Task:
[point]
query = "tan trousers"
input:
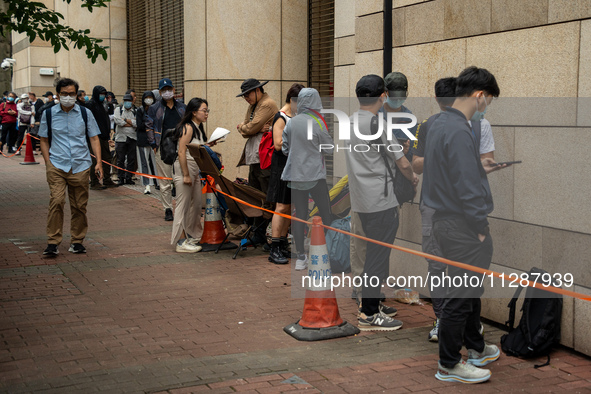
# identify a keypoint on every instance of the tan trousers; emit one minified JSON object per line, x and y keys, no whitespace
{"x":164,"y":170}
{"x":77,"y":185}
{"x":187,"y":213}
{"x":357,"y":247}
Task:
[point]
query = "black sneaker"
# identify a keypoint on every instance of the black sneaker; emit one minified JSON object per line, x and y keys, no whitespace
{"x":276,"y":257}
{"x":378,"y":322}
{"x":168,"y":215}
{"x":77,"y":249}
{"x":157,"y":187}
{"x":51,"y":251}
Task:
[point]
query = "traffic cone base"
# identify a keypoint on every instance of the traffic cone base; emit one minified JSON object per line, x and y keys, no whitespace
{"x":320,"y":317}
{"x":29,"y":157}
{"x":214,"y":233}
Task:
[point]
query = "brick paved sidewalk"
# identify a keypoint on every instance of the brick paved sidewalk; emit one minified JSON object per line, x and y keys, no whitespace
{"x":134,"y":316}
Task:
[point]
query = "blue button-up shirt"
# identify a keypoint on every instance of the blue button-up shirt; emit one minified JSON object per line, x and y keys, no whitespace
{"x":69,"y":149}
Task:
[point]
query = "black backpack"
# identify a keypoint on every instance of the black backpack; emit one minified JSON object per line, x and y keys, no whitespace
{"x":539,"y":328}
{"x":168,"y":144}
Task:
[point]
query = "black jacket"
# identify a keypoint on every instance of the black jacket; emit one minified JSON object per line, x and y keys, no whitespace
{"x":140,"y":118}
{"x":454,"y":181}
{"x":100,"y":114}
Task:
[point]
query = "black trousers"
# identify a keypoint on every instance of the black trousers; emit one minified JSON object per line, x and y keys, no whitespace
{"x":259,"y":179}
{"x":106,"y":156}
{"x":126,"y":150}
{"x":460,"y":315}
{"x":381,"y":226}
{"x":22,"y":129}
{"x":9,"y":135}
{"x":299,"y":198}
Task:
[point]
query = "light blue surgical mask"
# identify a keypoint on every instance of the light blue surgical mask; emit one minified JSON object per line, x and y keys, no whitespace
{"x":127,"y":104}
{"x":11,"y":99}
{"x":101,"y":97}
{"x":395,"y":102}
{"x":86,"y":98}
{"x":479,"y":115}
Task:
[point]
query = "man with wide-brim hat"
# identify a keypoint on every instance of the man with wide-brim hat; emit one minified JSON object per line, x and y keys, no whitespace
{"x":258,"y":119}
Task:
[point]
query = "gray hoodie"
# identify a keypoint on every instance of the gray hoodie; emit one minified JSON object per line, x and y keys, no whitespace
{"x":305,"y":162}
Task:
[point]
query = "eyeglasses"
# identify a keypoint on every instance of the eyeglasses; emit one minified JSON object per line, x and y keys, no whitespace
{"x":204,"y":110}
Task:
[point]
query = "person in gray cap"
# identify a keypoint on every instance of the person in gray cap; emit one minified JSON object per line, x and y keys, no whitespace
{"x":371,"y":182}
{"x":258,"y":119}
{"x":126,"y":139}
{"x":163,"y":115}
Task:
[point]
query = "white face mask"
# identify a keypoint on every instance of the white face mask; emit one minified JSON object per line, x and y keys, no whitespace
{"x":56,"y":101}
{"x":67,"y":101}
{"x":149,"y":101}
{"x":167,"y":95}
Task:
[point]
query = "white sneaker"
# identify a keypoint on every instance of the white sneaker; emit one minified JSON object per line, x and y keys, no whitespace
{"x":301,"y":262}
{"x":193,"y":241}
{"x":463,"y":372}
{"x":186,"y":247}
{"x":488,"y":355}
{"x":148,"y":190}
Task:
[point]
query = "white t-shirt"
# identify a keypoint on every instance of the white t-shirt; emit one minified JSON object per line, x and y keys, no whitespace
{"x":487,"y":141}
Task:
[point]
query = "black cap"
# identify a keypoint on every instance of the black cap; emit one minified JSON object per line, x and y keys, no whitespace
{"x":370,"y":86}
{"x":397,"y":84}
{"x":48,"y":93}
{"x":249,"y":85}
{"x":164,"y":82}
{"x":127,"y":97}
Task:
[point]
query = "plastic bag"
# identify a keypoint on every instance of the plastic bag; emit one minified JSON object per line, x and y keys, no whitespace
{"x":407,"y":296}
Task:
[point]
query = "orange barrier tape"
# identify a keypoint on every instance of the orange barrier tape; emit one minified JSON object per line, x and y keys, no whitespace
{"x":483,"y":271}
{"x":19,"y":148}
{"x":123,"y":169}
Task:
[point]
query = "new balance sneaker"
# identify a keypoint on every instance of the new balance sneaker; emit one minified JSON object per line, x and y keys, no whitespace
{"x":186,"y":247}
{"x":77,"y":249}
{"x":51,"y":251}
{"x":301,"y":262}
{"x":388,"y":310}
{"x":488,"y":355}
{"x":481,"y":329}
{"x":434,"y":333}
{"x":377,"y":322}
{"x":463,"y":372}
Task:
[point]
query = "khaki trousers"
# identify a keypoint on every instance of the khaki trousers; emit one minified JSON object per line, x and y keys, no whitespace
{"x":164,"y":170}
{"x":77,"y":185}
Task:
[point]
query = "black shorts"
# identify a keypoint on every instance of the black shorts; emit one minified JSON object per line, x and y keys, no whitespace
{"x":278,"y":190}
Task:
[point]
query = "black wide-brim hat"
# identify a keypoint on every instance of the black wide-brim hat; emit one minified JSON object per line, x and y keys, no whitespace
{"x":249,"y":85}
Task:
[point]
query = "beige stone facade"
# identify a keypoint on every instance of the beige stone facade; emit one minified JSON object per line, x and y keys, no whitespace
{"x":536,"y":49}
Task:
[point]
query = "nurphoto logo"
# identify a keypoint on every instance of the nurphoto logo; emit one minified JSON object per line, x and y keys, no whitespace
{"x":394,"y":120}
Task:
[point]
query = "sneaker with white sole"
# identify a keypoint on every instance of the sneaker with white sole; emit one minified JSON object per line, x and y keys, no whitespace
{"x":481,"y":329}
{"x":434,"y":333}
{"x":148,"y":190}
{"x":385,"y":309}
{"x":77,"y":248}
{"x":301,"y":262}
{"x":187,"y":247}
{"x":488,"y":355}
{"x":463,"y":372}
{"x":377,"y":322}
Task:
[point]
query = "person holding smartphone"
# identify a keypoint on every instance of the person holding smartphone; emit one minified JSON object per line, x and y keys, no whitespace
{"x":63,"y":131}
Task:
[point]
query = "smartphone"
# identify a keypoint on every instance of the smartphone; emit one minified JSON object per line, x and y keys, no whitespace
{"x":507,"y":163}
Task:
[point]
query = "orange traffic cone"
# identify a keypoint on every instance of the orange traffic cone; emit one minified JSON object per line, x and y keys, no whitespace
{"x":320,"y":318}
{"x":29,"y":157}
{"x":214,"y":233}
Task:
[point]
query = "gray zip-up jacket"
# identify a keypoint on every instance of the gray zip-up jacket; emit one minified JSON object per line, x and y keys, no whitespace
{"x":454,"y":181}
{"x":305,"y":162}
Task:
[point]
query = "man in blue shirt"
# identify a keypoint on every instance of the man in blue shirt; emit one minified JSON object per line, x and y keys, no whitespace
{"x":64,"y":145}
